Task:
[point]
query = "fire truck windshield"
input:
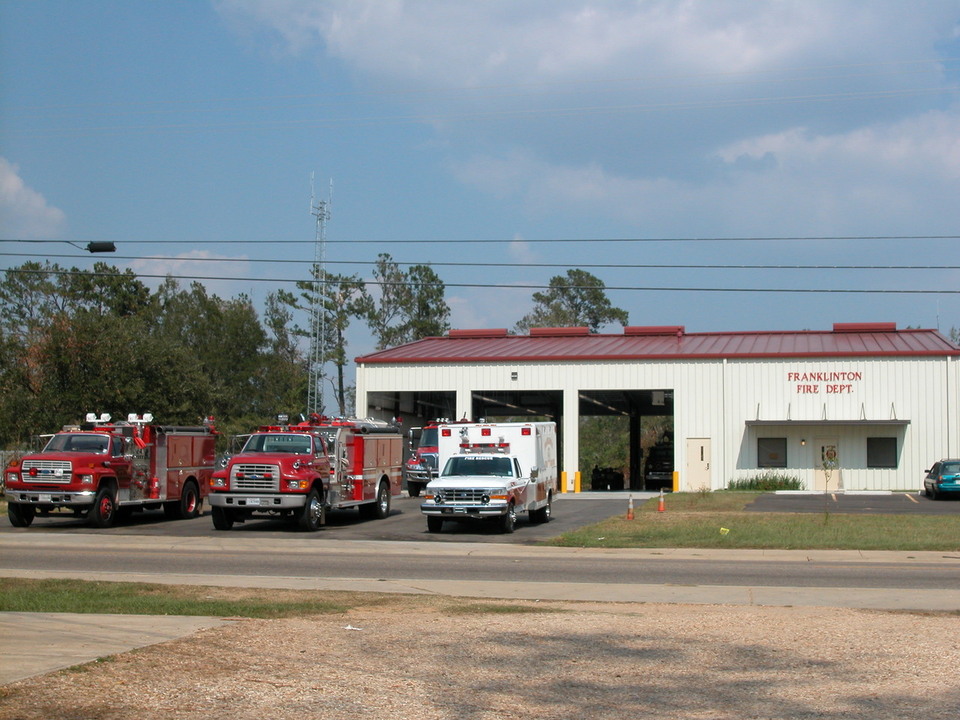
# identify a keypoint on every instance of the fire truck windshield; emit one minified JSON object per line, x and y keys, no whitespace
{"x":77,"y":442}
{"x":428,"y":437}
{"x":279,"y":443}
{"x":472,"y":465}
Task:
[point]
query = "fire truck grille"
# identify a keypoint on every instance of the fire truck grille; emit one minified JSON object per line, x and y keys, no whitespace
{"x":48,"y":471}
{"x":256,"y":478}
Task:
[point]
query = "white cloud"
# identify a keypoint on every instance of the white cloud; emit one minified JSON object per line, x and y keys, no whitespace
{"x":680,"y":129}
{"x":892,"y":175}
{"x":24,"y":213}
{"x":520,"y":251}
{"x":926,"y":145}
{"x":459,"y":43}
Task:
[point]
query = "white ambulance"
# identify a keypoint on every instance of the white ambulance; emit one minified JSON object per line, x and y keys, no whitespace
{"x":493,"y":471}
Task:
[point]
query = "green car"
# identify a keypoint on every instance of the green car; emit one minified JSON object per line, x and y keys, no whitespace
{"x":943,"y":477}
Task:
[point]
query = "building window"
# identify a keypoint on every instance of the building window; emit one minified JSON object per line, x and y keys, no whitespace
{"x":772,"y":452}
{"x":881,"y":452}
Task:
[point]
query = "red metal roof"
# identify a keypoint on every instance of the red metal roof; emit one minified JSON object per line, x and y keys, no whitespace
{"x":666,"y":343}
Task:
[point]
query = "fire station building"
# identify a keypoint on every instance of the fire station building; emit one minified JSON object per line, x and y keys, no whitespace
{"x":863,"y":406}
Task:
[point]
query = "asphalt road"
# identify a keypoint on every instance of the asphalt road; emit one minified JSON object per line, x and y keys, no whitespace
{"x":399,"y":547}
{"x":404,"y":523}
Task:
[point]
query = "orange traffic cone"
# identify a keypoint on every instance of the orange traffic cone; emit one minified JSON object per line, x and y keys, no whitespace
{"x":630,"y":507}
{"x":660,"y":507}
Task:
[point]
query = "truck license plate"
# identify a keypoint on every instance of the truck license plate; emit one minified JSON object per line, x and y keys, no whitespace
{"x":45,"y":498}
{"x":253,"y":501}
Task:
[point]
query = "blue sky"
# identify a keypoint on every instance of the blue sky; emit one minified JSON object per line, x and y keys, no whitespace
{"x":516,"y":121}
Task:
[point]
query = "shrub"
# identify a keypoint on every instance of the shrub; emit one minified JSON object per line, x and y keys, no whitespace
{"x":767,"y":482}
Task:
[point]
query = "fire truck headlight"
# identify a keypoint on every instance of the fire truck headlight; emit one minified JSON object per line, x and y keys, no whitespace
{"x":86,"y":479}
{"x":218,"y":482}
{"x":296,"y":484}
{"x":13,"y":477}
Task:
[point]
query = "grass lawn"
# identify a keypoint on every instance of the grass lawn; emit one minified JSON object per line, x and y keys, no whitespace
{"x":126,"y":598}
{"x":718,"y":520}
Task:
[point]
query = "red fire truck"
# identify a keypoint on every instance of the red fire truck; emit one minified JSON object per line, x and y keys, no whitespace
{"x":101,"y":469}
{"x":300,"y":471}
{"x":421,"y":467}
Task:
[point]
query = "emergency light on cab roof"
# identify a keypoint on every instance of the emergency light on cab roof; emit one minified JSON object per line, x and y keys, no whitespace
{"x":485,"y":432}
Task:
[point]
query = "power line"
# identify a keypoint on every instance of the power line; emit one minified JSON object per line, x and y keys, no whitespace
{"x":531,"y":241}
{"x":286,"y":280}
{"x":432,"y":263}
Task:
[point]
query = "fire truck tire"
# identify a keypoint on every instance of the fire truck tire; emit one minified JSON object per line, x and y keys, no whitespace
{"x":312,"y":515}
{"x":222,"y":518}
{"x":434,"y":524}
{"x":508,"y":523}
{"x":104,"y":510}
{"x":20,"y":515}
{"x":382,"y":507}
{"x":188,"y":506}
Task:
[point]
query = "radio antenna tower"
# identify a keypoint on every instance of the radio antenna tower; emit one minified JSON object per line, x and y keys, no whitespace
{"x":318,"y":316}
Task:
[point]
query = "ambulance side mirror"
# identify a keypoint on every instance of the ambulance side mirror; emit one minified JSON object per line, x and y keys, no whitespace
{"x":534,"y":473}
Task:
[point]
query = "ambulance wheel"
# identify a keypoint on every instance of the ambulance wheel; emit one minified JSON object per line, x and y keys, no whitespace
{"x":508,"y":523}
{"x":20,"y":515}
{"x":543,"y":515}
{"x":222,"y":518}
{"x":311,"y":517}
{"x":434,"y":524}
{"x":104,"y":510}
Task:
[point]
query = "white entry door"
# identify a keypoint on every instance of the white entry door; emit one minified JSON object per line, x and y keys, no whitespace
{"x":826,"y":465}
{"x":698,"y":464}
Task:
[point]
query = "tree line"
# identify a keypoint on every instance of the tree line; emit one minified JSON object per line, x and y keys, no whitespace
{"x":75,"y":341}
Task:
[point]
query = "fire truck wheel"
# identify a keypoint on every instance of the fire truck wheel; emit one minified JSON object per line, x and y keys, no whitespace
{"x":20,"y":515}
{"x":508,"y":523}
{"x":382,"y":508}
{"x":222,"y":518}
{"x":413,"y":489}
{"x":189,"y":505}
{"x":311,"y":517}
{"x":104,"y":509}
{"x":434,"y":524}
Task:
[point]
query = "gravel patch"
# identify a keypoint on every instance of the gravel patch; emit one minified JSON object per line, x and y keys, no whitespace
{"x":439,"y":659}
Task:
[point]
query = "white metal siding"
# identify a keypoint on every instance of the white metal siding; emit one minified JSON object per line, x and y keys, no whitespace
{"x":715,"y":399}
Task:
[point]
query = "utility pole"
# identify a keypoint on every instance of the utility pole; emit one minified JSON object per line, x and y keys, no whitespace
{"x":318,"y":316}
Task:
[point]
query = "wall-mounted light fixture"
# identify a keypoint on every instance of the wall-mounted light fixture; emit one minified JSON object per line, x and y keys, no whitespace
{"x":802,"y":441}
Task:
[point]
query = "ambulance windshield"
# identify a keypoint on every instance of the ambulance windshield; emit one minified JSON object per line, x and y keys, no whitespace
{"x":463,"y":465}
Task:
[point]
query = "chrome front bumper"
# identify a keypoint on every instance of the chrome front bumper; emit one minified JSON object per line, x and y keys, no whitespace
{"x":264,"y":502}
{"x":454,"y":511}
{"x":51,"y":497}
